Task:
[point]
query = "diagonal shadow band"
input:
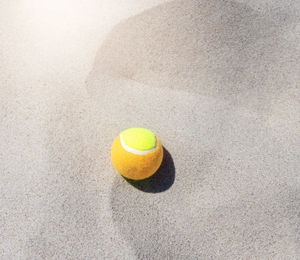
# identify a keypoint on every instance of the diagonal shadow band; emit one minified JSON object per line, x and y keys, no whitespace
{"x":160,"y":181}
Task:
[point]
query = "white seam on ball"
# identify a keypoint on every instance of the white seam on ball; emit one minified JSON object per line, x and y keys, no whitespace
{"x":131,"y":150}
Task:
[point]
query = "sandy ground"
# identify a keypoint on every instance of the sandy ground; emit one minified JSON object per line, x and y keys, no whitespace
{"x":217,"y":81}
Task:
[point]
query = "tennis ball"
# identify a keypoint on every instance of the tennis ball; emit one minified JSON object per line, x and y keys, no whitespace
{"x":136,"y":153}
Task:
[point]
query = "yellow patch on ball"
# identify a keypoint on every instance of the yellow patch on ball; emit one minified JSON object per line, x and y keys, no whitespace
{"x":136,"y":153}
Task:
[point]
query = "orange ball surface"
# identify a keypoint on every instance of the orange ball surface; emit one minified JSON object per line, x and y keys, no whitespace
{"x":136,"y":166}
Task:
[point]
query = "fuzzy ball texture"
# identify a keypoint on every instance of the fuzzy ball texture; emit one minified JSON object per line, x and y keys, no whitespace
{"x":136,"y":153}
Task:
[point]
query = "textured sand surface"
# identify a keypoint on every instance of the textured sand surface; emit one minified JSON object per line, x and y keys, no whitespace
{"x":217,"y":81}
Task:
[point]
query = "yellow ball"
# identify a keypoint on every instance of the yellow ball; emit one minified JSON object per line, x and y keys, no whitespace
{"x":136,"y":153}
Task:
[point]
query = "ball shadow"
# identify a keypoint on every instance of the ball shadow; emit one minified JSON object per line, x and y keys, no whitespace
{"x":161,"y":181}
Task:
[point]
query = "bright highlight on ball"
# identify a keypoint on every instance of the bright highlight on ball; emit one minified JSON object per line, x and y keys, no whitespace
{"x":136,"y":153}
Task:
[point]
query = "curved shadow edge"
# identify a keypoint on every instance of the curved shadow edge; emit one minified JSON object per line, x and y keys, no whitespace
{"x":160,"y":181}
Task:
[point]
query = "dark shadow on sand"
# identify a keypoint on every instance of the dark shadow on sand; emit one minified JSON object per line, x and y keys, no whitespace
{"x":220,"y":49}
{"x":161,"y":181}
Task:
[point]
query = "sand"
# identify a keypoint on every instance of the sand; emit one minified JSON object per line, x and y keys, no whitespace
{"x":217,"y":81}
